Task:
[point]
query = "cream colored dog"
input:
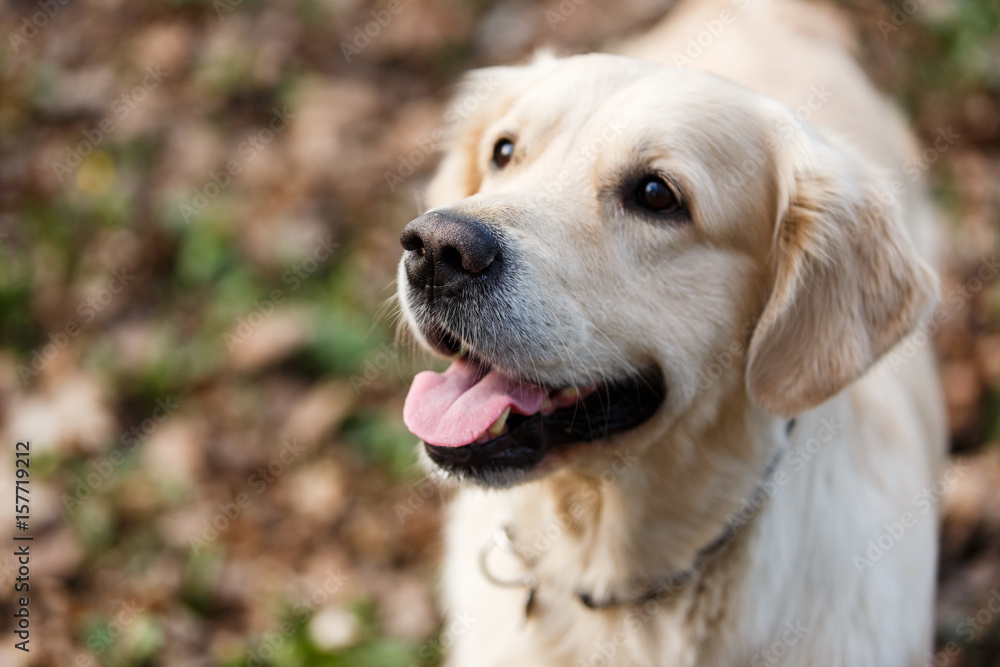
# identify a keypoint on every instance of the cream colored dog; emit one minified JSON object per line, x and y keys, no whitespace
{"x":681,"y":423}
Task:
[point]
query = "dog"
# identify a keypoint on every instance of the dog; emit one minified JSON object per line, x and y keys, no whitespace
{"x":692,"y":418}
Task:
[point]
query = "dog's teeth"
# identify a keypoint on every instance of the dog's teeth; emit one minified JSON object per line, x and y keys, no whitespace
{"x":568,"y":394}
{"x":498,"y":426}
{"x":547,"y":406}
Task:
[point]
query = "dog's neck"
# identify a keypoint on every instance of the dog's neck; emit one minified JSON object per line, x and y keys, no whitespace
{"x":646,"y":521}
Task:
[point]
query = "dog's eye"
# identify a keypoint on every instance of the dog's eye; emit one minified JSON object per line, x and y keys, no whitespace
{"x":502,"y":152}
{"x":655,"y":195}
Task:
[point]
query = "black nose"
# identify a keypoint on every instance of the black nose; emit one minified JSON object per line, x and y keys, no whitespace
{"x":445,"y":250}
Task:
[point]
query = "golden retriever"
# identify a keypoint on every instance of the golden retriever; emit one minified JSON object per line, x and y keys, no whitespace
{"x":674,"y":282}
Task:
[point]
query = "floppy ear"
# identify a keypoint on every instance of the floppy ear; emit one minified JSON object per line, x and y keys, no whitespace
{"x":848,"y":284}
{"x":483,"y":96}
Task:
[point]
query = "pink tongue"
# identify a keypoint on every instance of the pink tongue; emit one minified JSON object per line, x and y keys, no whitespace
{"x":452,"y":409}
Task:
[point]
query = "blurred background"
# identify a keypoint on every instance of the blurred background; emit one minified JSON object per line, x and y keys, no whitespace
{"x":200,"y":203}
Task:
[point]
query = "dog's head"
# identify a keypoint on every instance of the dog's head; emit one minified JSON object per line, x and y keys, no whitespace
{"x":615,"y":244}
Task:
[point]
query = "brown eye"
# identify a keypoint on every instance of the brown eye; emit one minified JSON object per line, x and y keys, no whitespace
{"x":655,"y":195}
{"x":502,"y":152}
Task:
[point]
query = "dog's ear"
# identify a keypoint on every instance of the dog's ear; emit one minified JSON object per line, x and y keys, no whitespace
{"x":483,"y":96}
{"x":848,"y":284}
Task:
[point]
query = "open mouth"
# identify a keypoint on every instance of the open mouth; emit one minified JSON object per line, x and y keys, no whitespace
{"x":480,"y":424}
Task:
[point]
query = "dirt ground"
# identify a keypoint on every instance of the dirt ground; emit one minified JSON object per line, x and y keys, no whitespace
{"x":200,"y":203}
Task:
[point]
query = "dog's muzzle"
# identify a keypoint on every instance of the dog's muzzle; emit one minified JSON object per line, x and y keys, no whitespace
{"x":483,"y":419}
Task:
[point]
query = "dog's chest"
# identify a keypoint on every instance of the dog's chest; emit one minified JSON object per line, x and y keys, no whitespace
{"x":559,"y":630}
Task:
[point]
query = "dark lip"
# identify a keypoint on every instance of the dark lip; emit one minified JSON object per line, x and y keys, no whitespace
{"x":443,"y":340}
{"x":614,"y":407}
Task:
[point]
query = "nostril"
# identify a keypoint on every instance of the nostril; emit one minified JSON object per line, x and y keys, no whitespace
{"x":478,"y":263}
{"x":471,"y":249}
{"x":470,"y":260}
{"x":452,"y":257}
{"x":411,"y":240}
{"x":477,"y":256}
